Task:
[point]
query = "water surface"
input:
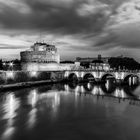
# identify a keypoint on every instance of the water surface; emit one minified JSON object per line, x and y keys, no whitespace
{"x":70,"y":112}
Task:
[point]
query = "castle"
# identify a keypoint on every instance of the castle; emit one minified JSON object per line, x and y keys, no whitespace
{"x":42,"y":57}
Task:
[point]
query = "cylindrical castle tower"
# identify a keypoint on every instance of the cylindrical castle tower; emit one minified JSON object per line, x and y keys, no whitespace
{"x":40,"y":57}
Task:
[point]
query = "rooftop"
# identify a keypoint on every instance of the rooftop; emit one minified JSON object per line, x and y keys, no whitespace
{"x":42,"y":44}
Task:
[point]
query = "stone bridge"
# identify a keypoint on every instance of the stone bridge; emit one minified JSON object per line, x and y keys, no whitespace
{"x":119,"y":76}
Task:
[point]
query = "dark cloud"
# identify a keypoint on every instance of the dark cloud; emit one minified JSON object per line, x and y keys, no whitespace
{"x":123,"y":28}
{"x":91,"y":23}
{"x":45,"y":16}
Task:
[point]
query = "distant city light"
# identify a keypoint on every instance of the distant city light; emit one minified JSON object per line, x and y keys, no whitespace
{"x":33,"y":97}
{"x":82,"y":89}
{"x":66,"y":88}
{"x":4,"y":63}
{"x":120,"y":93}
{"x":10,"y":74}
{"x":89,"y":85}
{"x":33,"y":73}
{"x":11,"y":64}
{"x":77,"y":90}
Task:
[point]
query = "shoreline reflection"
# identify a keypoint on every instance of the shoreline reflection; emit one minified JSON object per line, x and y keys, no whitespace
{"x":26,"y":108}
{"x":11,"y":105}
{"x":107,"y":89}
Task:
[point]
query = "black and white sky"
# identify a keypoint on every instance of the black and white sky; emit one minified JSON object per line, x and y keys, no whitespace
{"x":83,"y":28}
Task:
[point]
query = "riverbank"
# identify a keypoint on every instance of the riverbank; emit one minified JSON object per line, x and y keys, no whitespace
{"x":10,"y":80}
{"x":26,"y":84}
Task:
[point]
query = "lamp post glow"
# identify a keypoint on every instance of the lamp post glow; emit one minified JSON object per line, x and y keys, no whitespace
{"x":33,"y":74}
{"x":10,"y":74}
{"x":4,"y":64}
{"x":11,"y":65}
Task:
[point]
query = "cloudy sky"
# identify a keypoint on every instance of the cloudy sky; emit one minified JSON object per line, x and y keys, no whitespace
{"x":81,"y":28}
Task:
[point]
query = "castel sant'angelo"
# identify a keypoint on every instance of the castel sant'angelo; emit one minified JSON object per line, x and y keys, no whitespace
{"x":42,"y":57}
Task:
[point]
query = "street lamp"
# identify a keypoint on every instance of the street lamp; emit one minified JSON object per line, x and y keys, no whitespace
{"x":4,"y":64}
{"x":33,"y":74}
{"x":11,"y":65}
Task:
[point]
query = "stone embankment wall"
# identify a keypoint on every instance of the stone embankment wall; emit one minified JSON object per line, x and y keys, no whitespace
{"x":13,"y":77}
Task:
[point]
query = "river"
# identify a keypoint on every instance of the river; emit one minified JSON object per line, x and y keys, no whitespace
{"x":70,"y":112}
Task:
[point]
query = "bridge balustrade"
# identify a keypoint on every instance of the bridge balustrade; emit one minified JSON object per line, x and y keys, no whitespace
{"x":110,"y":70}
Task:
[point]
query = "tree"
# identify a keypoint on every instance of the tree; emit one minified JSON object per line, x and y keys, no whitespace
{"x":1,"y":67}
{"x":123,"y":62}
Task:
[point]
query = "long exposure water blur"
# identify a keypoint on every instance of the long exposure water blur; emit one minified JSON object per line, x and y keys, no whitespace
{"x":71,"y":112}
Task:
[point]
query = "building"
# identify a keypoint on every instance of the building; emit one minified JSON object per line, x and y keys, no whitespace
{"x":43,"y":57}
{"x":40,"y":57}
{"x":95,"y":63}
{"x":91,"y":59}
{"x":41,"y":52}
{"x":99,"y":65}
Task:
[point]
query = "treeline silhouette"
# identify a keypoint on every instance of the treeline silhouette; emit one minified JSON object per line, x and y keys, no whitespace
{"x":1,"y":66}
{"x":4,"y":65}
{"x":67,"y":62}
{"x":114,"y":62}
{"x":123,"y":63}
{"x":118,"y":63}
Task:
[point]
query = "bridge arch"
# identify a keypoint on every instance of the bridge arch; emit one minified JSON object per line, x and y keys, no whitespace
{"x":88,"y":77}
{"x":131,"y":79}
{"x":108,"y":88}
{"x":72,"y":77}
{"x":129,"y":90}
{"x":88,"y":86}
{"x":72,"y":85}
{"x":107,"y":76}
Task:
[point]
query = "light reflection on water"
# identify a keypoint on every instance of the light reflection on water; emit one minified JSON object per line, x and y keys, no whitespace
{"x":10,"y":105}
{"x":37,"y":113}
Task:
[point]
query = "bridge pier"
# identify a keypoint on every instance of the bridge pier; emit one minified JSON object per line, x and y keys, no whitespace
{"x":98,"y":80}
{"x":99,"y":77}
{"x":119,"y":81}
{"x":80,"y":79}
